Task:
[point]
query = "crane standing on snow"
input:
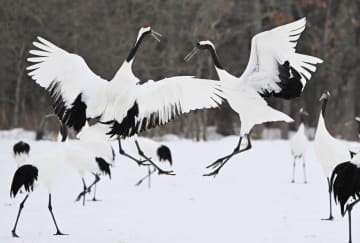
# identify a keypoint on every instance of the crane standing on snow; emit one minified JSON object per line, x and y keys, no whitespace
{"x":298,"y":144}
{"x":328,"y":149}
{"x":43,"y":169}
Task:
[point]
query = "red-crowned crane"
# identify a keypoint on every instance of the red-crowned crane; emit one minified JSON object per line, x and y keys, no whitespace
{"x":328,"y":149}
{"x":40,"y":168}
{"x":91,"y":153}
{"x":274,"y":69}
{"x":127,"y":106}
{"x":298,"y":144}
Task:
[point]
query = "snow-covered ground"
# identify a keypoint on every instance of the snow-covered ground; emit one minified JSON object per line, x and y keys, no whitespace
{"x":251,"y":200}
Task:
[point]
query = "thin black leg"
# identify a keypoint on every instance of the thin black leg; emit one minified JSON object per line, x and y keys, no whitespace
{"x":87,"y":189}
{"x":58,"y":232}
{"x":330,"y":201}
{"x":218,"y":164}
{"x":349,"y":214}
{"x":149,"y":177}
{"x":349,"y":207}
{"x":145,"y":177}
{"x":13,"y":231}
{"x":94,"y":199}
{"x":122,"y":152}
{"x":293,"y":174}
{"x":160,"y":171}
{"x":304,"y":169}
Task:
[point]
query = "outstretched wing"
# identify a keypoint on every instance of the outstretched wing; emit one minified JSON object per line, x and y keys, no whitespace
{"x":156,"y":103}
{"x":77,"y":92}
{"x":274,"y":67}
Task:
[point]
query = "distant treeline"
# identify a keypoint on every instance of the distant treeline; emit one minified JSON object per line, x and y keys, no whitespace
{"x":103,"y":31}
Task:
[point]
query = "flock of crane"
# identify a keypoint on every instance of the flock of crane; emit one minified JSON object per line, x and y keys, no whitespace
{"x":100,"y":110}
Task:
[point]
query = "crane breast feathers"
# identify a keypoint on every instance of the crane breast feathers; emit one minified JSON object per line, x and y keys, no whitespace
{"x":67,"y":77}
{"x":273,"y":56}
{"x":156,"y":103}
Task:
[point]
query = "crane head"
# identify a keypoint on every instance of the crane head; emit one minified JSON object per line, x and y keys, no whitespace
{"x":146,"y":30}
{"x":325,"y":95}
{"x":200,"y":45}
{"x":303,"y":112}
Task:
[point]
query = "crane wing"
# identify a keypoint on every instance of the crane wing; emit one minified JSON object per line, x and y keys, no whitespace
{"x":274,"y":67}
{"x":77,"y":92}
{"x":156,"y":103}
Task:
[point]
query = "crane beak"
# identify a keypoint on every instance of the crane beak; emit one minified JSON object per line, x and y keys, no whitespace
{"x":304,"y":113}
{"x":192,"y":53}
{"x":156,"y":35}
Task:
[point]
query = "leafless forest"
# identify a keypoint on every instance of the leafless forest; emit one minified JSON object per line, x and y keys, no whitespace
{"x":103,"y":31}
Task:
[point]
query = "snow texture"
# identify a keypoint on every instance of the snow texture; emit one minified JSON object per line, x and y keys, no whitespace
{"x":251,"y":200}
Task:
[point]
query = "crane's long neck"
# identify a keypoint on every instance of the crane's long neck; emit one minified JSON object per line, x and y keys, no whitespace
{"x":215,"y":58}
{"x":321,"y":130}
{"x":63,"y":133}
{"x":134,"y":49}
{"x":323,"y":106}
{"x":301,"y":118}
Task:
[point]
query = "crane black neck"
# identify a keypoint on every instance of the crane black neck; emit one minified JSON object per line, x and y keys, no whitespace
{"x":301,"y":117}
{"x":135,"y":48}
{"x":215,"y":57}
{"x":323,"y":106}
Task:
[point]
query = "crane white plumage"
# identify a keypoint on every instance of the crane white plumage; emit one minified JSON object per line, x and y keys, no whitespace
{"x":91,"y":153}
{"x":329,"y":150}
{"x":298,"y":144}
{"x":274,"y":69}
{"x":44,"y":169}
{"x":123,"y":103}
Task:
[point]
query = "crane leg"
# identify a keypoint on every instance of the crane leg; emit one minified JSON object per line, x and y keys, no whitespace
{"x":330,"y":201}
{"x":160,"y":171}
{"x":149,"y":177}
{"x":87,"y":189}
{"x":58,"y":232}
{"x":94,"y":199}
{"x":122,"y":152}
{"x":218,"y":164}
{"x":293,"y":172}
{"x":304,"y":169}
{"x":349,"y":207}
{"x":13,"y":231}
{"x":145,"y":177}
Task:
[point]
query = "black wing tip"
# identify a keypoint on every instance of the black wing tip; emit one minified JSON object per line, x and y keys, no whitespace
{"x":103,"y":166}
{"x":345,"y":181}
{"x":21,"y":147}
{"x":127,"y":127}
{"x":290,"y":83}
{"x":164,"y":154}
{"x":73,"y":116}
{"x":26,"y":176}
